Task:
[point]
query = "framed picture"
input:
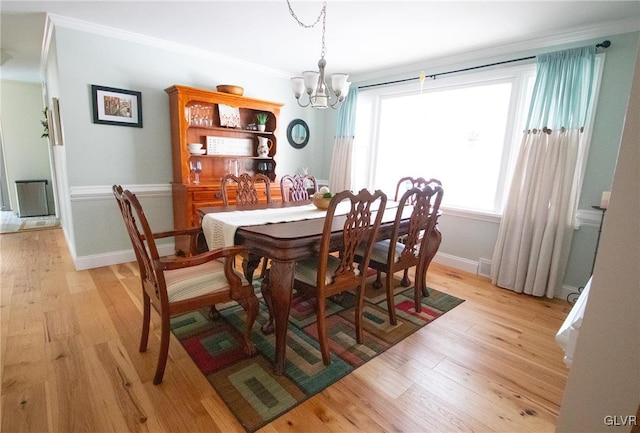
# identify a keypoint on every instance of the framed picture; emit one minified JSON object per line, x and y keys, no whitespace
{"x":50,"y":129}
{"x":57,"y":124}
{"x":116,"y":106}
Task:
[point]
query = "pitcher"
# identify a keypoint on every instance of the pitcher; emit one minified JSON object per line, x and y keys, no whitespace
{"x":264,"y":146}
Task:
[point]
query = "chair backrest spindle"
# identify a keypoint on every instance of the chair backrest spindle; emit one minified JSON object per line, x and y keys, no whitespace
{"x":294,"y":187}
{"x":245,"y":187}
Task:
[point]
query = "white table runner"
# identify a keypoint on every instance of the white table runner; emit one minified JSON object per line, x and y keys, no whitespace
{"x":219,"y":228}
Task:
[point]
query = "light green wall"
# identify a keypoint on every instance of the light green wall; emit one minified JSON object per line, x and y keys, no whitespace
{"x":97,"y":156}
{"x":26,"y":153}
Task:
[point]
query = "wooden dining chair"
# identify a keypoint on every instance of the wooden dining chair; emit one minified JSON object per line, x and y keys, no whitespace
{"x":329,"y":274}
{"x":245,"y":188}
{"x":246,"y":193}
{"x":176,"y":285}
{"x":415,"y":249}
{"x":404,"y":185}
{"x":297,"y":187}
{"x":408,"y":182}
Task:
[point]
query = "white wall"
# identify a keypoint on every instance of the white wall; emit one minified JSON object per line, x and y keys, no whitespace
{"x":604,"y":380}
{"x":27,"y":155}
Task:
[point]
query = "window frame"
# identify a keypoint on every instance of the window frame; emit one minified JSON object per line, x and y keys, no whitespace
{"x":516,"y":75}
{"x":526,"y":75}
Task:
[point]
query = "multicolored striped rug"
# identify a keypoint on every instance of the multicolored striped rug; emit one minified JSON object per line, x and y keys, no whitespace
{"x":248,"y":386}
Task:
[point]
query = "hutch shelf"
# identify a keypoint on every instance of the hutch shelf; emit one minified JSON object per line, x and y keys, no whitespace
{"x":195,"y":118}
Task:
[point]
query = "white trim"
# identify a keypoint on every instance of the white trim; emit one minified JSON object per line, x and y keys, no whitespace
{"x":110,"y":32}
{"x":116,"y":257}
{"x":566,"y":291}
{"x":46,"y":44}
{"x":472,"y":215}
{"x":100,"y":192}
{"x":456,"y":262}
{"x":588,"y":218}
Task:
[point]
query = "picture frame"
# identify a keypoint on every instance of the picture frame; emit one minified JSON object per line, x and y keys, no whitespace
{"x":119,"y":107}
{"x":50,"y":127}
{"x":57,"y":123}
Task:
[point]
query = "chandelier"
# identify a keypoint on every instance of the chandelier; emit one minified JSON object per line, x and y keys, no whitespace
{"x":313,"y":82}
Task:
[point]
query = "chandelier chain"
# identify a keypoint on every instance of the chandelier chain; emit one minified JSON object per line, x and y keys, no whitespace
{"x":323,"y":15}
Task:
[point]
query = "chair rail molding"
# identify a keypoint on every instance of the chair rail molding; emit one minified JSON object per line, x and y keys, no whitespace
{"x":101,"y":192}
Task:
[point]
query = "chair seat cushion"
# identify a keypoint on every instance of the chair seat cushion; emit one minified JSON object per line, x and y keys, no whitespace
{"x":307,"y":270}
{"x":380,"y":251}
{"x":194,"y":281}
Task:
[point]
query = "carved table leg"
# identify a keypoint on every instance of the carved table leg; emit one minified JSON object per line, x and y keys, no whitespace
{"x":250,"y":265}
{"x":435,"y":238}
{"x":281,"y":288}
{"x":267,"y":328}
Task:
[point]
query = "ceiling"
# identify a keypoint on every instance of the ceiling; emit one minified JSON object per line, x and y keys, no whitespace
{"x":361,"y":36}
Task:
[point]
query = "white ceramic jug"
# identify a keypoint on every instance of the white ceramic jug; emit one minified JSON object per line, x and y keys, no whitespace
{"x":264,"y":146}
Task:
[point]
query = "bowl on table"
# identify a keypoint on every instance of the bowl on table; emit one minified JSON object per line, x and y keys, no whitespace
{"x":320,"y":201}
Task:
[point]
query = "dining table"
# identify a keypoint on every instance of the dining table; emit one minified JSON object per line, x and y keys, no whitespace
{"x":285,"y":233}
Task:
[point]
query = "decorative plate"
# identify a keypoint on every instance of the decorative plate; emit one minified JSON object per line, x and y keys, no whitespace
{"x":229,"y":116}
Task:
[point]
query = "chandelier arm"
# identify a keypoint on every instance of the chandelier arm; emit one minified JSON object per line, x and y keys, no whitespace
{"x":337,"y":103}
{"x":305,"y":105}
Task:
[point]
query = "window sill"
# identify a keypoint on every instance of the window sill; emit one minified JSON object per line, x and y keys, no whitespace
{"x":472,"y":214}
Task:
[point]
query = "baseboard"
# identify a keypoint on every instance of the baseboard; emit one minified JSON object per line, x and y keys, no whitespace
{"x":566,"y":291}
{"x":456,"y":262}
{"x":116,"y":257}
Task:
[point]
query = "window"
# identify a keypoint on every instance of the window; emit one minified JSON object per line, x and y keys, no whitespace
{"x":461,"y":130}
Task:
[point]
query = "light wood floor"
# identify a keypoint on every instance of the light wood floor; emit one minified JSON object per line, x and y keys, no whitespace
{"x":69,"y":360}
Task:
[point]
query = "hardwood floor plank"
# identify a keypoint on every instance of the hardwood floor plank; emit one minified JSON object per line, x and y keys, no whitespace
{"x":481,"y":407}
{"x":25,"y":410}
{"x":123,"y":393}
{"x":25,"y":361}
{"x":94,"y":323}
{"x":501,"y":394}
{"x":73,"y":404}
{"x":222,"y":419}
{"x":387,"y":381}
{"x":79,"y":281}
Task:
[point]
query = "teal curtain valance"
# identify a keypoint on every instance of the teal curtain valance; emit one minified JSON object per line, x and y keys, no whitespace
{"x":563,"y":89}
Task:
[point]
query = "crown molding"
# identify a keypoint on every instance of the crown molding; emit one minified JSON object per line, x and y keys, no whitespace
{"x":110,"y":32}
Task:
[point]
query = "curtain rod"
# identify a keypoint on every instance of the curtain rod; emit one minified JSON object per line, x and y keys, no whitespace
{"x":603,"y":44}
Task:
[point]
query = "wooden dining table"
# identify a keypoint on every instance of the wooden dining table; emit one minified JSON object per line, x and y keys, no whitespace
{"x":284,"y":244}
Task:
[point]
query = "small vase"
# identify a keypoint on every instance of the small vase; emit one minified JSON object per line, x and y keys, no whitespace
{"x":261,"y":128}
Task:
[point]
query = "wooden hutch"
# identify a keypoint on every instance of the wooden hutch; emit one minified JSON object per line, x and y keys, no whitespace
{"x":226,"y":149}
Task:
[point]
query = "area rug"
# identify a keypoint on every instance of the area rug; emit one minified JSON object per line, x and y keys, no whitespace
{"x":247,"y":384}
{"x":40,"y":223}
{"x":11,"y":223}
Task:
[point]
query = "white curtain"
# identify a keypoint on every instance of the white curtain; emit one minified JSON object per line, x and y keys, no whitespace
{"x":537,"y":225}
{"x":340,"y":175}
